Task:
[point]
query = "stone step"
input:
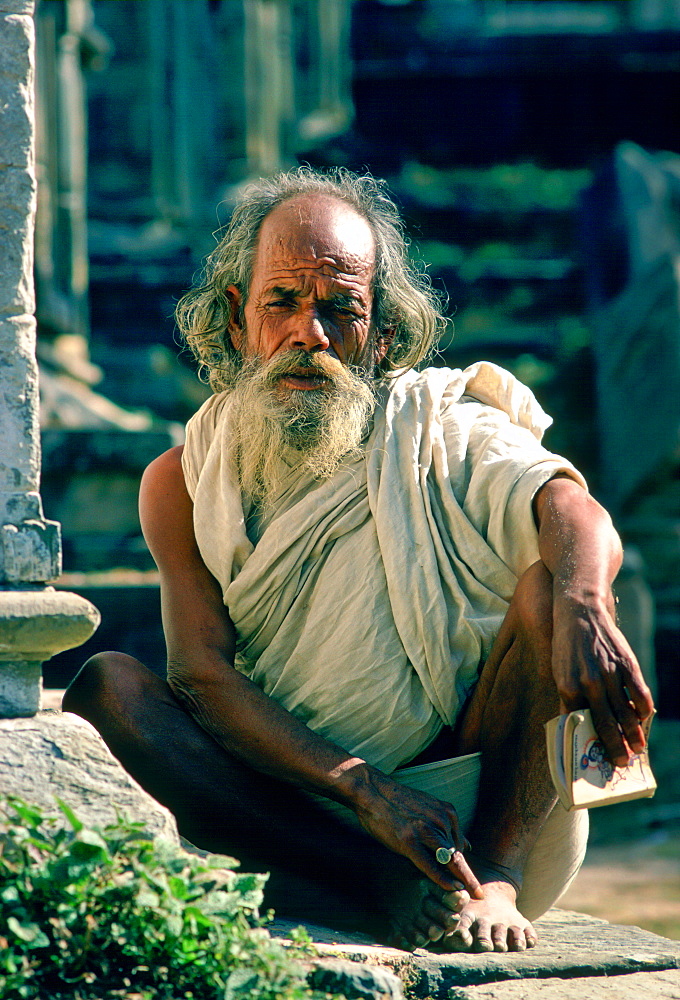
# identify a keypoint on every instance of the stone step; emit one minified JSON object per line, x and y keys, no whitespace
{"x":577,"y":957}
{"x":637,"y":986}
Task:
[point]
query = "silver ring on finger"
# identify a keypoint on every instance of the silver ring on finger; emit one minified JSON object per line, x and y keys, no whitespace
{"x":444,"y":854}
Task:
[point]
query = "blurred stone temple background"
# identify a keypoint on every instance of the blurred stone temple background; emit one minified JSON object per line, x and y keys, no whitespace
{"x":36,"y":620}
{"x":533,"y":148}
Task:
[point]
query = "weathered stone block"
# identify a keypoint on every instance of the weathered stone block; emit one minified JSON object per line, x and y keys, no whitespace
{"x":16,"y":110}
{"x":17,"y":7}
{"x":571,"y":946}
{"x":22,"y":506}
{"x":31,"y":552}
{"x":17,"y":206}
{"x":638,"y":986}
{"x":35,"y":624}
{"x":43,"y":621}
{"x":20,"y":688}
{"x":60,"y":755}
{"x":355,"y":981}
{"x":16,"y":51}
{"x":19,"y":441}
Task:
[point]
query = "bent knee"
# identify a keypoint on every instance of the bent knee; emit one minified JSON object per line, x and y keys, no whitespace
{"x":533,"y":601}
{"x":104,"y":679}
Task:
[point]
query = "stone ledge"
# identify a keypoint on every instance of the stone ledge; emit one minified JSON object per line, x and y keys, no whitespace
{"x":572,"y":946}
{"x":636,"y":986}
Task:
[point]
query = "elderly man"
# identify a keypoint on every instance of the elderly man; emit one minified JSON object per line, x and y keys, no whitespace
{"x":376,"y":587}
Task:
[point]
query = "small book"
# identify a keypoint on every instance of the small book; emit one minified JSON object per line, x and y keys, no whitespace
{"x":581,"y":772}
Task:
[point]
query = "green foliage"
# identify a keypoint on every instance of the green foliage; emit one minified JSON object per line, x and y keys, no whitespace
{"x":87,"y":914}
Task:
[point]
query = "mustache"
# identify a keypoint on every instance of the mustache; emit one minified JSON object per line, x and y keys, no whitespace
{"x":293,"y":362}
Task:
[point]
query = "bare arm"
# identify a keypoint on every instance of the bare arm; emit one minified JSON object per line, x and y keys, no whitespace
{"x":201,"y":644}
{"x":593,"y":664}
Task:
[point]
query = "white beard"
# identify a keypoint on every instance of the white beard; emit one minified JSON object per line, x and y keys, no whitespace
{"x":322,"y":426}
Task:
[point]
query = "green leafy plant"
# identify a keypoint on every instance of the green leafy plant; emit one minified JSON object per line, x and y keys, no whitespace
{"x":87,"y":914}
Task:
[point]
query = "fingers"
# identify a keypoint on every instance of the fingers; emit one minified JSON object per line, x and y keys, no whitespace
{"x":456,"y":874}
{"x":431,"y":921}
{"x":456,"y":900}
{"x":594,"y":665}
{"x":609,"y":733}
{"x":461,"y":871}
{"x":616,"y":721}
{"x":435,"y":919}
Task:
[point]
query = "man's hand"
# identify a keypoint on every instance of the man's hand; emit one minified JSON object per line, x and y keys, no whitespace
{"x":415,"y":824}
{"x":593,"y":665}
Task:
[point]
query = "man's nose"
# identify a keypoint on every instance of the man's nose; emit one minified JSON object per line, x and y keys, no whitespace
{"x":309,"y":333}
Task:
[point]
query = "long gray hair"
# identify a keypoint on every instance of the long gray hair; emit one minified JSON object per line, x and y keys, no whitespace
{"x":404,"y":301}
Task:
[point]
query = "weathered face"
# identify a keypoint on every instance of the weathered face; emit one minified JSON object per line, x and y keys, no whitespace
{"x":311,"y":288}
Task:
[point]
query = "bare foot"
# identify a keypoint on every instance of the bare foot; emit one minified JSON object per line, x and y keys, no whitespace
{"x":491,"y":924}
{"x":421,"y":913}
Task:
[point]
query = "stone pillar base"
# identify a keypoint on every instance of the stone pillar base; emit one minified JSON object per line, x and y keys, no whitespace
{"x":34,"y":625}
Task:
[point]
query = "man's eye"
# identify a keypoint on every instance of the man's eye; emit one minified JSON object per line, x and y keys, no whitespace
{"x":347,"y":312}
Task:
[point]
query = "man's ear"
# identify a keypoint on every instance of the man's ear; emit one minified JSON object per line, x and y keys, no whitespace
{"x":235,"y":324}
{"x":383,"y":343}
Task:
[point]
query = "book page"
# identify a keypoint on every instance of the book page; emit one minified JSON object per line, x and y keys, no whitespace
{"x":596,"y":779}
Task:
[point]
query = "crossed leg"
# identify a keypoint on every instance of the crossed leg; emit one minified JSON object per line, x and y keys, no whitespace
{"x":327,"y":871}
{"x":322,"y":870}
{"x":504,"y":720}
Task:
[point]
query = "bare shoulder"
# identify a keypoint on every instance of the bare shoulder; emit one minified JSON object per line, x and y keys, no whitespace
{"x":561,"y":488}
{"x":164,"y":471}
{"x":165,"y":507}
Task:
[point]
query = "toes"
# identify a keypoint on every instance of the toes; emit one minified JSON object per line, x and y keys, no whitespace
{"x":517,"y":939}
{"x":484,"y":939}
{"x":471,"y":936}
{"x":458,"y":940}
{"x":499,"y":937}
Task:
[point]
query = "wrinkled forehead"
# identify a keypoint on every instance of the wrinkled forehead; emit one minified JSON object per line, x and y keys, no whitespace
{"x":316,"y":230}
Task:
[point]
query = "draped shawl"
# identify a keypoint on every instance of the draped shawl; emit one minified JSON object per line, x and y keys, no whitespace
{"x":372,"y":598}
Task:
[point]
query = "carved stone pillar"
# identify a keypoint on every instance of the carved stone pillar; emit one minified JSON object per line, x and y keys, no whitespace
{"x":36,"y":621}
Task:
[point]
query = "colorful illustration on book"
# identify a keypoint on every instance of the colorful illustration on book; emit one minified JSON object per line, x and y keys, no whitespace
{"x":594,"y":761}
{"x":597,"y":770}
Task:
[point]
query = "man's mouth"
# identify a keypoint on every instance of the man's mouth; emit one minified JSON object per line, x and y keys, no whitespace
{"x":304,"y":379}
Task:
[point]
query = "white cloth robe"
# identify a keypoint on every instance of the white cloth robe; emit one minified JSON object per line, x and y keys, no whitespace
{"x":371,"y":599}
